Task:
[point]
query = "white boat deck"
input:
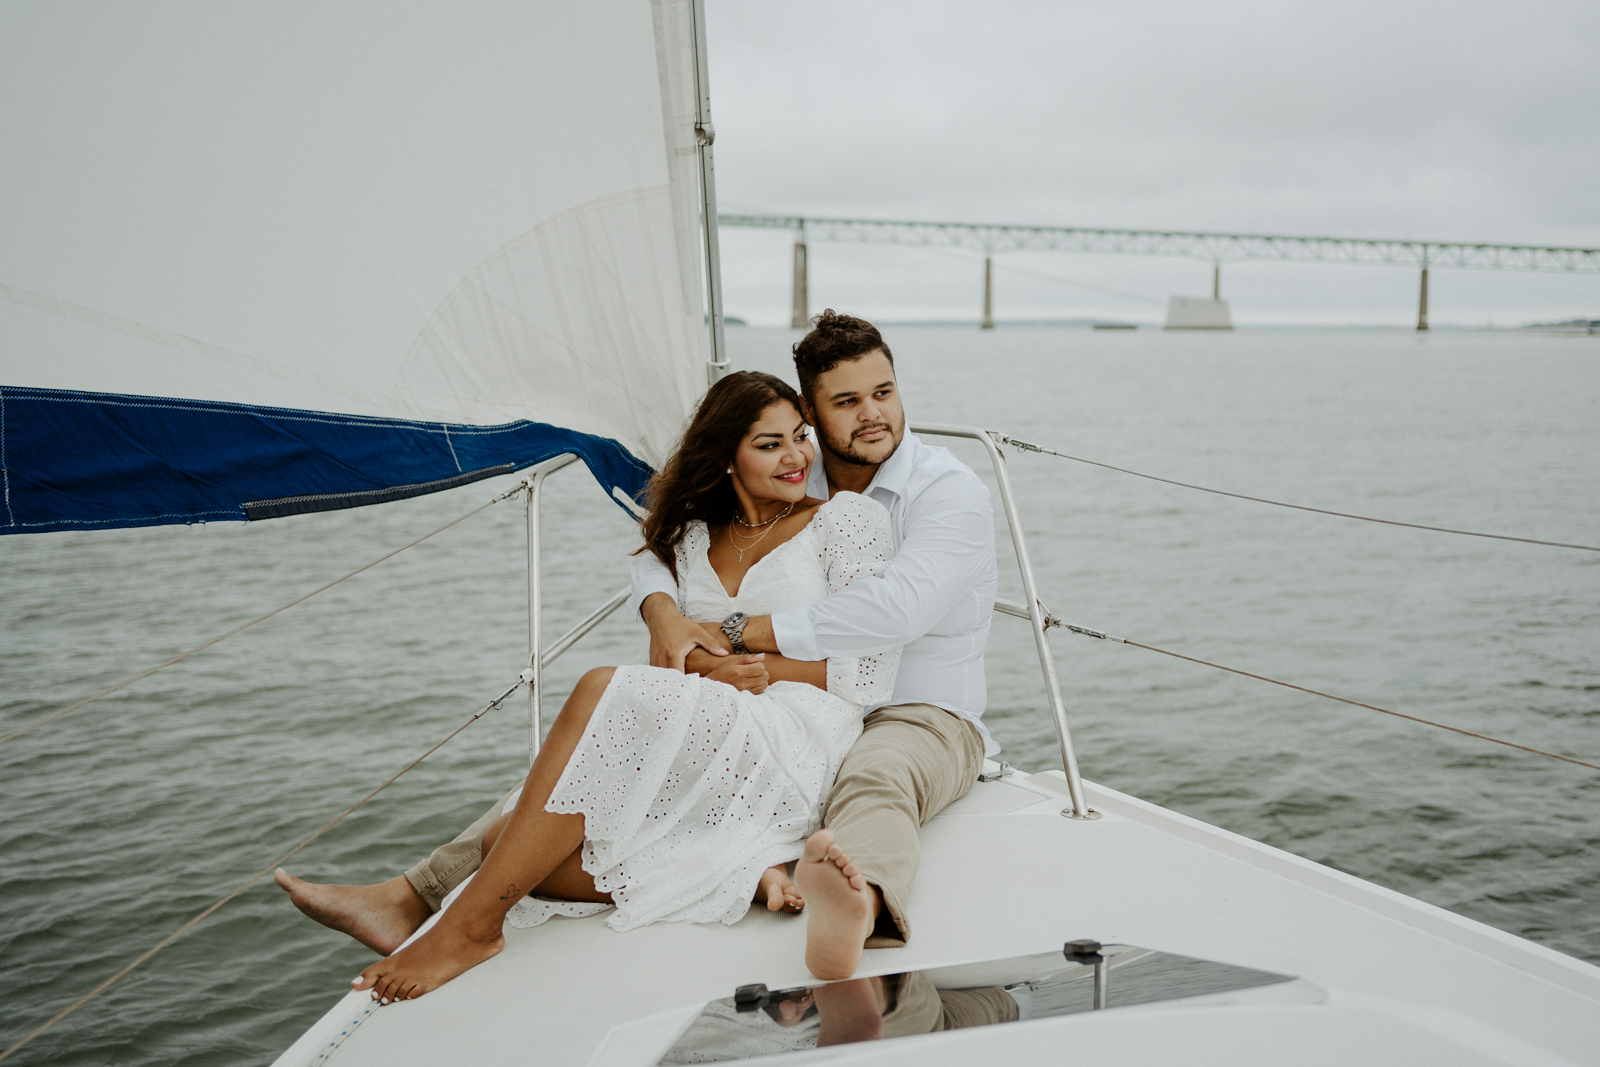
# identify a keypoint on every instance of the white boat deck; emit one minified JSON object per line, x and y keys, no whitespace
{"x":1003,"y":875}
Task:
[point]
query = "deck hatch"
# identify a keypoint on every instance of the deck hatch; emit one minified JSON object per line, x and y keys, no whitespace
{"x":756,"y":1022}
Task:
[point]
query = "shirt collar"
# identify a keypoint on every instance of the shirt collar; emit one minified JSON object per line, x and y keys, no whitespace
{"x":892,"y":475}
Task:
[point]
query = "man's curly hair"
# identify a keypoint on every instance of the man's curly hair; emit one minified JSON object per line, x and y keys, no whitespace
{"x":834,"y":339}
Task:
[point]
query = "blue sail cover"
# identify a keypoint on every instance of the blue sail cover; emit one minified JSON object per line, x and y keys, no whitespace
{"x":79,"y":460}
{"x":258,"y":260}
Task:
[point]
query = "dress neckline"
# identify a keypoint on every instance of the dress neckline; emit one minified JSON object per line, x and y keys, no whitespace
{"x":735,"y":594}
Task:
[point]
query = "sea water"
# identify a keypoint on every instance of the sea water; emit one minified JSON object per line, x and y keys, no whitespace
{"x":129,"y":816}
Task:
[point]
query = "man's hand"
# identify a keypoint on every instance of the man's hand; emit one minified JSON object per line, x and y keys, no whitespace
{"x":742,"y":672}
{"x":672,"y":636}
{"x":715,"y":638}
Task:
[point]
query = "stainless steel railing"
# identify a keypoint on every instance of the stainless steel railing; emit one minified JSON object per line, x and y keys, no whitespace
{"x":1032,"y":610}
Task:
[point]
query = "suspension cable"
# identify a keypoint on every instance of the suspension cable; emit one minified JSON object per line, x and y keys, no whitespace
{"x":1028,"y":446}
{"x":523,"y":679}
{"x":180,"y":657}
{"x":1101,"y":635}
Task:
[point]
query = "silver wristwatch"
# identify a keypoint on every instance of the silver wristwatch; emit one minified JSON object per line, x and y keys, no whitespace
{"x":733,"y":627}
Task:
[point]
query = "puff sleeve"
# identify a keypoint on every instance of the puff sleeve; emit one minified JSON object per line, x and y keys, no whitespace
{"x":856,"y":543}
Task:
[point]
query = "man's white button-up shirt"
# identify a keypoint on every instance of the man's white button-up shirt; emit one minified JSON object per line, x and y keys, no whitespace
{"x":936,"y":599}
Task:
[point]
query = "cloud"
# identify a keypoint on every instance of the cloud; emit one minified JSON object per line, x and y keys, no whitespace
{"x":1466,"y":121}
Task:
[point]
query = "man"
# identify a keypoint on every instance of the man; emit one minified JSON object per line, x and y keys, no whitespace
{"x":916,"y":754}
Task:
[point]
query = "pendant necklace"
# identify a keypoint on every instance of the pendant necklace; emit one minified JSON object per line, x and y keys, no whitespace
{"x":761,"y":537}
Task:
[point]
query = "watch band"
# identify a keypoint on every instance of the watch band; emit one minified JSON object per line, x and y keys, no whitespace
{"x":733,"y":628}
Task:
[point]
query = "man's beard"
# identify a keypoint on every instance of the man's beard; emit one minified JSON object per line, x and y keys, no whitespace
{"x":845,"y":452}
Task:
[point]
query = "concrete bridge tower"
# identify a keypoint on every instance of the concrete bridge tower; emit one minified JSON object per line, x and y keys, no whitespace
{"x":801,"y":318}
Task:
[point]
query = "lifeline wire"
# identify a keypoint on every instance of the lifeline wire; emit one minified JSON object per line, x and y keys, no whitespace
{"x":1102,"y":636}
{"x":524,"y":678}
{"x":1028,"y":446}
{"x":180,"y":657}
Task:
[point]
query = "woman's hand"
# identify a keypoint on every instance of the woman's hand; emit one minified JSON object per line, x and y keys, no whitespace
{"x":747,"y":673}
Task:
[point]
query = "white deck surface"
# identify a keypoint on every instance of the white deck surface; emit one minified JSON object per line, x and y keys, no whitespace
{"x":1004,"y":874}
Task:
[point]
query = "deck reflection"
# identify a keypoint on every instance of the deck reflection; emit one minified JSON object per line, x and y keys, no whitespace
{"x":757,"y":1022}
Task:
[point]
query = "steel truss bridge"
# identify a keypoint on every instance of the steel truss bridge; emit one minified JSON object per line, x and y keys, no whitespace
{"x":1218,"y":248}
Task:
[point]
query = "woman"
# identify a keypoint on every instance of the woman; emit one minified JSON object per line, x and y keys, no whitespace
{"x":673,"y":796}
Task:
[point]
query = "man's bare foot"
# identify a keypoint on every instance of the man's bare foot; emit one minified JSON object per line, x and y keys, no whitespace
{"x":428,"y":962}
{"x":851,"y":1011}
{"x":379,"y":916}
{"x":840,"y":908}
{"x":779,"y":892}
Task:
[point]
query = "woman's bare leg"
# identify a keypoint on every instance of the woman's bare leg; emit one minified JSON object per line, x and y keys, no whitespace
{"x":533,"y":844}
{"x":569,"y":881}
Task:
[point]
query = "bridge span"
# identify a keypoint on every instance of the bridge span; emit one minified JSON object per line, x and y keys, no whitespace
{"x":1217,"y":248}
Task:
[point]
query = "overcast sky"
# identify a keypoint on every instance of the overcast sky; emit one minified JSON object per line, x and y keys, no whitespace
{"x":1467,"y":120}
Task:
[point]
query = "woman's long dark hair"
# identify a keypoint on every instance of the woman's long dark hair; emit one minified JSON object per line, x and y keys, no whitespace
{"x":695,"y":483}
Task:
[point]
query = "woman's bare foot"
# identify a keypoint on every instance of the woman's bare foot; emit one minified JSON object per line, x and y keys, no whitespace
{"x":444,"y":952}
{"x":779,"y":893}
{"x":379,"y":916}
{"x":841,"y":908}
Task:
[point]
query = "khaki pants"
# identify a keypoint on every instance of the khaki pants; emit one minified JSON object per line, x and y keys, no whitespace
{"x":910,"y":762}
{"x":919,"y":1008}
{"x":451,"y":864}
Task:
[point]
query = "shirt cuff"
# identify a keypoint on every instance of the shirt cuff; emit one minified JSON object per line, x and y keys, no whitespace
{"x":794,"y":635}
{"x":650,"y":582}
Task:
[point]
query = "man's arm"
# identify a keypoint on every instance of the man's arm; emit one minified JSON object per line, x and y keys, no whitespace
{"x":655,"y":598}
{"x":948,"y":548}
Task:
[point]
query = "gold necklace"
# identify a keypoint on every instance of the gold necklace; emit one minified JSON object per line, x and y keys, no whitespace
{"x":761,"y":537}
{"x":757,"y":525}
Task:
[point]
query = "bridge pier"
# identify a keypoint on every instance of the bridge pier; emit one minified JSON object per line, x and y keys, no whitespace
{"x":988,"y":293}
{"x":801,"y":318}
{"x":1422,"y":304}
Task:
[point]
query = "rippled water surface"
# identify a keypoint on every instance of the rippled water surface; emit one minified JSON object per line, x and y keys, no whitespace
{"x":128,"y":817}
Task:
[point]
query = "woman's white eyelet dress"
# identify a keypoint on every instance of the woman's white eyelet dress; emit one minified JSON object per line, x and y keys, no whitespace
{"x":689,"y":788}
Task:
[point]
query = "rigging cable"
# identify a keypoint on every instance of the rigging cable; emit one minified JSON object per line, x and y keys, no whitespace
{"x":180,"y":657}
{"x":1028,"y":446}
{"x":1051,"y":620}
{"x":523,"y":679}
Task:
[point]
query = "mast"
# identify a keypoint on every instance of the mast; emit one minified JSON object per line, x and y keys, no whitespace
{"x":705,"y":135}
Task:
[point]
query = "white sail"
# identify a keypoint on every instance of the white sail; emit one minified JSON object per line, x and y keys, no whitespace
{"x":338,"y":252}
